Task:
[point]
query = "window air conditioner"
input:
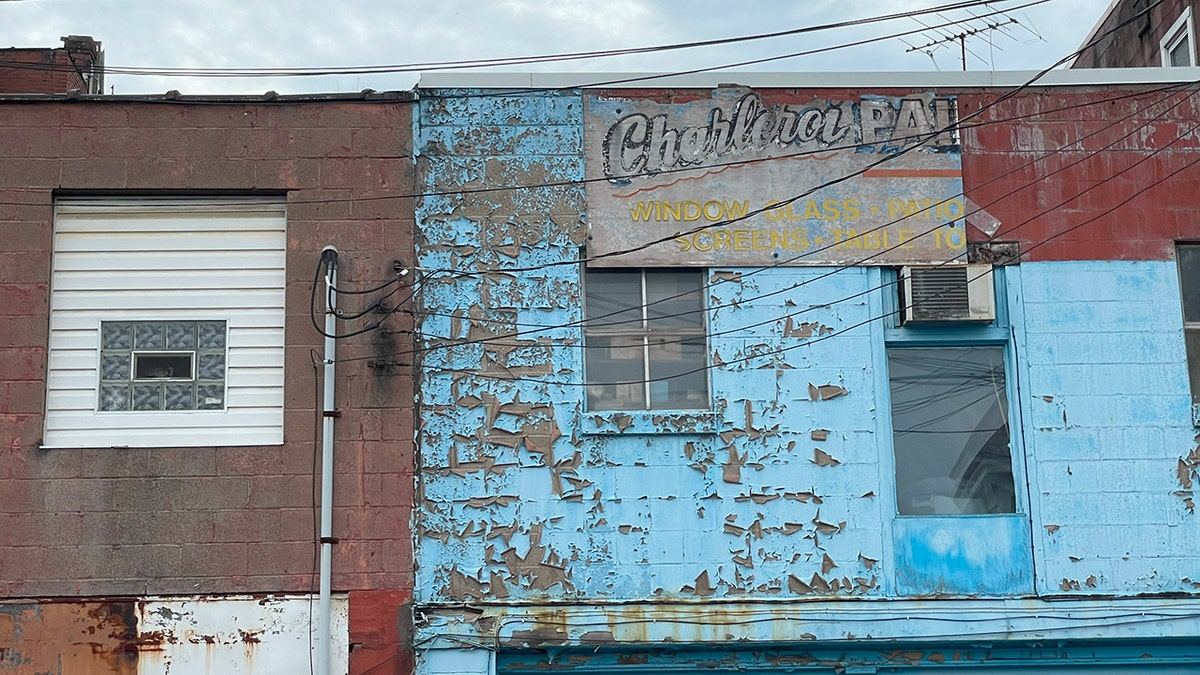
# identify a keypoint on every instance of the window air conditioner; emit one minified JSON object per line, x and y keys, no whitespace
{"x":946,"y":293}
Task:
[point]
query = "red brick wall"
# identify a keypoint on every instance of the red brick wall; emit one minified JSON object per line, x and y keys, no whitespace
{"x":41,"y":71}
{"x":1134,"y":44}
{"x":131,"y":522}
{"x":1087,"y":173}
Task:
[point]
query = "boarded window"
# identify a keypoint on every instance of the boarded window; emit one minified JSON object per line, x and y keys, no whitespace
{"x":166,"y":323}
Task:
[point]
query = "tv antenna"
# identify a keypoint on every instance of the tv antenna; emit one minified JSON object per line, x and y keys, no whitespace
{"x":975,"y":26}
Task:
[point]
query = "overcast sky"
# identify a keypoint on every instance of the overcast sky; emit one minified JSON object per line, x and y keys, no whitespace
{"x":332,"y":33}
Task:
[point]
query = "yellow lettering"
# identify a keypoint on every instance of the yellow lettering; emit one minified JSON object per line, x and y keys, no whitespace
{"x":720,"y":239}
{"x":773,"y":215}
{"x":811,"y":211}
{"x":799,"y":240}
{"x":850,"y":209}
{"x":741,"y":240}
{"x":830,"y":207}
{"x":761,"y":240}
{"x":737,"y":209}
{"x":641,"y":211}
{"x":710,"y":214}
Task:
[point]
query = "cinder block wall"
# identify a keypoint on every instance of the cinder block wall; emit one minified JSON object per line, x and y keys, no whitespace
{"x":547,"y":502}
{"x":215,"y":520}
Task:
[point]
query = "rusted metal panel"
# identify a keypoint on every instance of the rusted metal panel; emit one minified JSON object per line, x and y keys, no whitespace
{"x":84,"y":637}
{"x":175,"y":636}
{"x":251,"y":636}
{"x":734,"y":180}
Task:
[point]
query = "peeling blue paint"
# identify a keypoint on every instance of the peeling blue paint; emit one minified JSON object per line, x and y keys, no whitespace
{"x":782,"y":489}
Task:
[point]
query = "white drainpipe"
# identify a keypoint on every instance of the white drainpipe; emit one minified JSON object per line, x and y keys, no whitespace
{"x":329,"y":258}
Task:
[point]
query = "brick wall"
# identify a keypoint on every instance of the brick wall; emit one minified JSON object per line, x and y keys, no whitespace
{"x":111,"y":522}
{"x":1136,"y":43}
{"x":41,"y":71}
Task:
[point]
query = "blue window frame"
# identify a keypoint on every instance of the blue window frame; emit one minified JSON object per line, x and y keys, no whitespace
{"x":953,"y":443}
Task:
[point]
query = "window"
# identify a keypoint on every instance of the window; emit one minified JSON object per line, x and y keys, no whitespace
{"x":960,"y":524}
{"x":166,"y":323}
{"x":1176,"y":46}
{"x":1188,"y":257}
{"x":646,"y":346}
{"x":162,"y":365}
{"x":950,"y":430}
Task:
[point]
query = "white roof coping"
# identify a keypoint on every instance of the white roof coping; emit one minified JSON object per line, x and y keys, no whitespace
{"x":858,"y":80}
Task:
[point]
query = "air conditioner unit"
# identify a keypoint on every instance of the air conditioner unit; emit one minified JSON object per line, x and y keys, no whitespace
{"x":946,"y":293}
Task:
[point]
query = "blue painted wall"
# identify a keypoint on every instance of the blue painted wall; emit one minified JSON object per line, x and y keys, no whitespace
{"x":525,"y":496}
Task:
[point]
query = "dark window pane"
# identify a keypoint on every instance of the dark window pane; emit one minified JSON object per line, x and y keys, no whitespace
{"x":1192,"y":340}
{"x":162,"y":366}
{"x":1189,"y":280}
{"x":678,"y":377}
{"x":950,"y":429}
{"x":613,"y":299}
{"x":674,"y":301}
{"x":616,"y":373}
{"x":1181,"y":54}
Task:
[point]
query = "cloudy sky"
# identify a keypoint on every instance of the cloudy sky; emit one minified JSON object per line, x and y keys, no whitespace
{"x":157,"y":34}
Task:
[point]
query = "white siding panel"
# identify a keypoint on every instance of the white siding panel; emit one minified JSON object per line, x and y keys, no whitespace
{"x":105,"y":280}
{"x":124,"y":242}
{"x":159,"y":261}
{"x":204,"y":301}
{"x":242,"y":397}
{"x":167,"y":260}
{"x":85,"y":324}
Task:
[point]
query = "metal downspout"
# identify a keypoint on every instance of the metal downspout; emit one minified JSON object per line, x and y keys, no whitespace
{"x":329,"y":257}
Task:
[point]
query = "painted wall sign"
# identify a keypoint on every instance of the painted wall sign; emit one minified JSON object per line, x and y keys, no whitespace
{"x":739,"y":180}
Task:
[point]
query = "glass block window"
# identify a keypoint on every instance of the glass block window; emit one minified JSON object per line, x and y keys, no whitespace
{"x":162,"y":365}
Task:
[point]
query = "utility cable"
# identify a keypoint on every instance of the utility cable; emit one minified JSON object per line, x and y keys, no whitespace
{"x":820,"y":338}
{"x":707,"y":286}
{"x":256,"y":72}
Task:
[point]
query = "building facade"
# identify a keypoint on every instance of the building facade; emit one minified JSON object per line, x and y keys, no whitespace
{"x":164,"y":274}
{"x":77,"y":66}
{"x":1140,"y":34}
{"x":778,"y":376}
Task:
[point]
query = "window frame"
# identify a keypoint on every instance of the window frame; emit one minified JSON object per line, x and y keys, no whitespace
{"x":1181,"y":29}
{"x":925,"y":549}
{"x":646,"y":333}
{"x":1189,"y":328}
{"x":997,"y":333}
{"x":177,"y":259}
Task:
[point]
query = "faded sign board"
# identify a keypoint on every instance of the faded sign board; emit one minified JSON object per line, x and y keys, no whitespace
{"x":772,"y":178}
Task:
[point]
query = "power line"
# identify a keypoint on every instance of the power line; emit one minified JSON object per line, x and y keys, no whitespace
{"x":880,"y":317}
{"x":836,"y":269}
{"x":162,"y":71}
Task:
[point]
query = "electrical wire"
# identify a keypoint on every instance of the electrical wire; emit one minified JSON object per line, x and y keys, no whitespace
{"x":711,"y":284}
{"x":872,"y":319}
{"x":162,"y":71}
{"x":852,"y":264}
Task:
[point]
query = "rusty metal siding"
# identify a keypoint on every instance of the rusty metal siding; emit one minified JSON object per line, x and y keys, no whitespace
{"x":165,"y":636}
